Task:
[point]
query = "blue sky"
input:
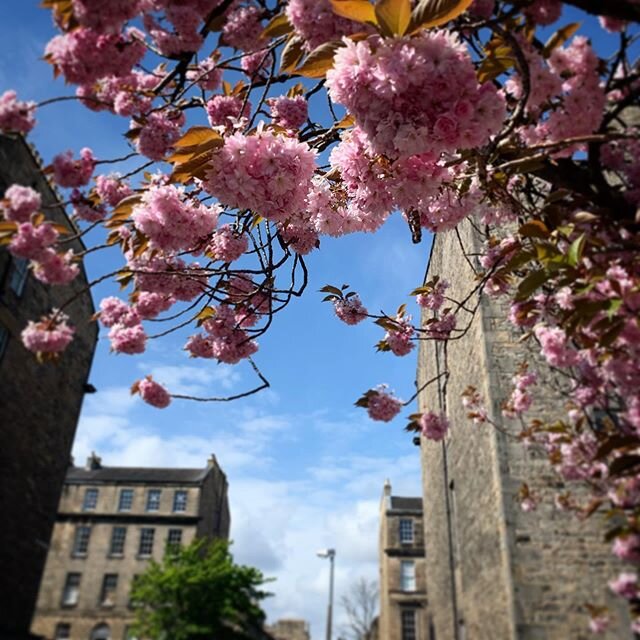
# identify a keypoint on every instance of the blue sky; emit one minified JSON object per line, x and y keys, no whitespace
{"x":305,"y":467}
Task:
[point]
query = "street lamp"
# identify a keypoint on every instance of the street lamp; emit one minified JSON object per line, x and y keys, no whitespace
{"x":331,"y":554}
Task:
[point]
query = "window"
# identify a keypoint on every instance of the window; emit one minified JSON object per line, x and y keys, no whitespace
{"x":71,"y":590}
{"x":130,"y":602}
{"x":125,"y":501}
{"x":408,"y":619}
{"x":174,"y":538}
{"x":63,"y":631}
{"x":408,"y":575}
{"x":406,"y":530}
{"x":108,"y":593}
{"x":81,"y":540}
{"x":101,"y":632}
{"x":153,"y":499}
{"x":90,"y":499}
{"x":180,"y":501}
{"x":118,"y":537}
{"x":146,"y":542}
{"x":4,"y":339}
{"x":18,"y":275}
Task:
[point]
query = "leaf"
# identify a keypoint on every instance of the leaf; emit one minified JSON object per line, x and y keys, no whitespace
{"x":534,"y":280}
{"x":559,"y":37}
{"x":624,"y":465}
{"x":124,"y":278}
{"x":534,"y":229}
{"x":195,"y":167}
{"x":331,"y":289}
{"x":616,"y":442}
{"x":319,"y":61}
{"x":394,"y":16}
{"x":8,"y":225}
{"x":292,"y":51}
{"x":125,"y":207}
{"x":576,"y":249}
{"x":357,"y":10}
{"x":206,"y":313}
{"x":195,"y":137}
{"x":433,"y":13}
{"x":348,"y":121}
{"x":614,"y":307}
{"x":491,"y":68}
{"x":278,"y":26}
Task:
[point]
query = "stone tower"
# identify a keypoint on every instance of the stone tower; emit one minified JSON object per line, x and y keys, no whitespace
{"x":493,"y":571}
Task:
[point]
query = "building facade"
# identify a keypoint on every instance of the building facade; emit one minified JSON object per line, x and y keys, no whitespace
{"x":39,"y":403}
{"x":111,"y":522}
{"x":403,"y":584}
{"x":289,"y":629}
{"x":494,"y":571}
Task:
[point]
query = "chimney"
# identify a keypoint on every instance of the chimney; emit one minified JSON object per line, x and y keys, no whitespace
{"x":212,"y":461}
{"x":386,"y":493}
{"x":93,"y":462}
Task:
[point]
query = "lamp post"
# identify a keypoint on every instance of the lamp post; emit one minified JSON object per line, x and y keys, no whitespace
{"x":331,"y":554}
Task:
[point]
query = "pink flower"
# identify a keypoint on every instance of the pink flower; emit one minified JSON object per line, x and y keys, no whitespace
{"x":433,"y":426}
{"x":544,"y":12}
{"x":30,"y":241}
{"x":114,"y":311}
{"x":627,"y":547}
{"x":350,"y":310}
{"x":86,"y":209}
{"x":112,"y":189}
{"x":382,"y":405}
{"x":242,"y":29}
{"x":16,"y":115}
{"x":400,"y":338}
{"x":290,"y":113}
{"x":206,"y":75}
{"x":153,"y":393}
{"x":20,"y":203}
{"x":68,"y":172}
{"x":160,"y":132}
{"x":528,"y":504}
{"x":130,"y":340}
{"x":226,"y":244}
{"x":149,"y":304}
{"x":625,"y":585}
{"x":51,"y":335}
{"x":227,"y":110}
{"x":553,"y":341}
{"x":56,"y":268}
{"x":441,"y":329}
{"x":434,"y":298}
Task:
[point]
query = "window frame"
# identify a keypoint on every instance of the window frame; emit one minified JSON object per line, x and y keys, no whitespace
{"x":122,"y":540}
{"x":76,"y":551}
{"x":408,"y":579}
{"x":109,"y":588}
{"x":66,"y":602}
{"x":87,"y":504}
{"x":173,"y":544}
{"x":408,"y":631}
{"x":143,"y":531}
{"x":62,"y":626}
{"x":180,"y":499}
{"x":402,"y":530}
{"x":153,"y":505}
{"x":130,"y":495}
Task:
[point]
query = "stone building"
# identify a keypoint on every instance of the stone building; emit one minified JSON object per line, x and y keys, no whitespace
{"x":403,"y":582}
{"x":111,"y":521}
{"x":289,"y":629}
{"x":39,"y":403}
{"x":494,"y":571}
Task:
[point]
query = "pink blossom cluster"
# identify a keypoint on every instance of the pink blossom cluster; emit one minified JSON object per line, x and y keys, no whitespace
{"x":159,"y":133}
{"x":125,"y":95}
{"x":112,"y":189}
{"x":51,"y":334}
{"x":415,"y":95}
{"x":207,"y":75}
{"x":267,"y":173}
{"x":31,"y":241}
{"x":171,"y":220}
{"x":150,"y":304}
{"x":382,"y":404}
{"x":290,"y":113}
{"x":299,"y":235}
{"x":243,"y":30}
{"x":85,"y":208}
{"x":56,"y":268}
{"x":84,"y":55}
{"x":225,"y":111}
{"x":433,"y":426}
{"x":440,"y":328}
{"x":153,"y":393}
{"x":168,"y":276}
{"x":520,"y":399}
{"x":612,"y":25}
{"x":625,"y":585}
{"x":316,"y":22}
{"x":20,"y":203}
{"x":623,"y":157}
{"x":544,"y":12}
{"x":256,"y":64}
{"x":350,"y":309}
{"x":400,"y":338}
{"x":472,"y":401}
{"x":105,"y":17}
{"x":223,"y":339}
{"x":68,"y":172}
{"x":627,"y":547}
{"x":115,"y":311}
{"x":185,"y":35}
{"x":434,"y":298}
{"x":555,"y":346}
{"x":128,"y":339}
{"x":226,"y":244}
{"x":16,"y":115}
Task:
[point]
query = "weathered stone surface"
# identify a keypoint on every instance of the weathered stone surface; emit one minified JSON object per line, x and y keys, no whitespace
{"x":39,"y":407}
{"x":289,"y":629}
{"x":493,"y":571}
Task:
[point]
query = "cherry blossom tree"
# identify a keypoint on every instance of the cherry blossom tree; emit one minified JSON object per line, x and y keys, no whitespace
{"x":324,"y":118}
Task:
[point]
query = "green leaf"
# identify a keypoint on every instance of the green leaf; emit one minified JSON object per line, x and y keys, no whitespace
{"x":576,"y":249}
{"x":614,"y":307}
{"x":532,"y":282}
{"x":534,"y":229}
{"x":394,"y":16}
{"x":331,"y":289}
